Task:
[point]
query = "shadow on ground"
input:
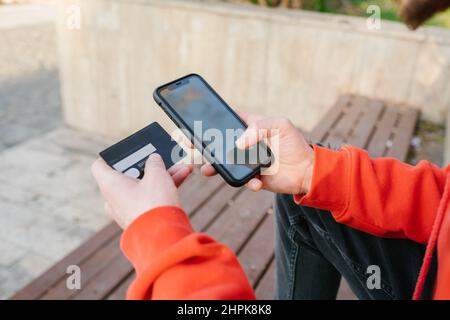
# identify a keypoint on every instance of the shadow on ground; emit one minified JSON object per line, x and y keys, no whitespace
{"x":29,"y":106}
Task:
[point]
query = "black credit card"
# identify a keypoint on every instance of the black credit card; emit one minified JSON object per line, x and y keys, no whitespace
{"x":129,"y":155}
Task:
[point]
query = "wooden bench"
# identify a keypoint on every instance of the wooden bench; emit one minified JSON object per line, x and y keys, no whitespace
{"x":236,"y":217}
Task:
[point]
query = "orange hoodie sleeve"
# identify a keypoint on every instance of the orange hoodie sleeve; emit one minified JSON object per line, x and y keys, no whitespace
{"x":383,"y":196}
{"x":174,"y":262}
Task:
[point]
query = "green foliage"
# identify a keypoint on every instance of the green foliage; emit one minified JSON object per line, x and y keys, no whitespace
{"x":358,"y":8}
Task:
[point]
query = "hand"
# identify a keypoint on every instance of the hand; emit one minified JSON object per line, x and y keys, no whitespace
{"x":127,"y":198}
{"x":293,"y":156}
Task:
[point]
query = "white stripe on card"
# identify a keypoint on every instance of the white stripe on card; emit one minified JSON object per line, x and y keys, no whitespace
{"x":134,"y":158}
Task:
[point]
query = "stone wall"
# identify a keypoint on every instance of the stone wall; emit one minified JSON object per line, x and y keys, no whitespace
{"x":52,"y":2}
{"x":285,"y":62}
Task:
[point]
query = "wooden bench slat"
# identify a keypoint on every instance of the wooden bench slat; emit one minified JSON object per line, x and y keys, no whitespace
{"x":187,"y":189}
{"x":259,"y":250}
{"x":343,"y":127}
{"x":364,"y":128}
{"x":39,"y":286}
{"x":377,"y":145}
{"x":216,"y":204}
{"x":120,"y":292}
{"x":322,"y":128}
{"x":202,"y":193}
{"x":105,"y":281}
{"x":235,"y":224}
{"x":403,"y":134}
{"x":89,"y":268}
{"x":266,"y":287}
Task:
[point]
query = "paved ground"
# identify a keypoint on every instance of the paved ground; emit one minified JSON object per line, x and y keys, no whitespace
{"x":428,"y":143}
{"x":48,"y":201}
{"x":29,"y":97}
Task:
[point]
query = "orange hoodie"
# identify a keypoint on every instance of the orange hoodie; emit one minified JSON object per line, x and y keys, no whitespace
{"x":382,"y":196}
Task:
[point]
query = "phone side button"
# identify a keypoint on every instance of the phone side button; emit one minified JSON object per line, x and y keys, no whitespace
{"x":173,"y":120}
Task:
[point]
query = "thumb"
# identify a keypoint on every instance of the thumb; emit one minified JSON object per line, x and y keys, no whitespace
{"x":259,"y":130}
{"x":154,"y":161}
{"x":104,"y":174}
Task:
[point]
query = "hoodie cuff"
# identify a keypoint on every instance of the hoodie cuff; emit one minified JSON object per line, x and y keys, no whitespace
{"x":151,"y":233}
{"x":330,"y":185}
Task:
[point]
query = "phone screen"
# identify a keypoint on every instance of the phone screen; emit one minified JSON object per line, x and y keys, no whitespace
{"x":212,"y":122}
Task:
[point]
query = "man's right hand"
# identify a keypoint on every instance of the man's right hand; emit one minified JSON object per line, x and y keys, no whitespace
{"x":293,"y":156}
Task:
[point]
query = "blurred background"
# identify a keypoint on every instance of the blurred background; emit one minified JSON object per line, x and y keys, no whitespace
{"x":76,"y":75}
{"x":389,"y":10}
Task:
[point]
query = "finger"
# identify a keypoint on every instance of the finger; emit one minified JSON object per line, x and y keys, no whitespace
{"x":243,"y":115}
{"x":187,"y":143}
{"x":181,"y":175}
{"x":249,"y":138}
{"x":154,"y":161}
{"x":104,"y":174}
{"x":208,"y":170}
{"x":181,"y":139}
{"x":248,"y":117}
{"x":259,"y":130}
{"x":254,"y":184}
{"x":177,"y":167}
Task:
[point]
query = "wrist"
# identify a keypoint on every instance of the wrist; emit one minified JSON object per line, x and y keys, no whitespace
{"x":308,"y":173}
{"x":136,"y":215}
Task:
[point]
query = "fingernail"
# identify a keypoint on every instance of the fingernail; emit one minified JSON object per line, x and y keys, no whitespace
{"x":256,"y":185}
{"x":154,"y":157}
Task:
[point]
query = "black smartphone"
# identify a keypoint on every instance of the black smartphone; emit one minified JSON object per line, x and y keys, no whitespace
{"x":213,"y":127}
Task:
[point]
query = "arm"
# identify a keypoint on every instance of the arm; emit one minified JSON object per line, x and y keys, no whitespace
{"x":384,"y":196}
{"x":170,"y":259}
{"x":174,"y":262}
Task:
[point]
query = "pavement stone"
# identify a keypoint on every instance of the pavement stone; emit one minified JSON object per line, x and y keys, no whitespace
{"x":10,"y":253}
{"x":30,"y":102}
{"x":49,"y":203}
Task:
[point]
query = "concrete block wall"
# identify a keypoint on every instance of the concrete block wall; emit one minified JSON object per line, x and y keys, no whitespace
{"x":283,"y":62}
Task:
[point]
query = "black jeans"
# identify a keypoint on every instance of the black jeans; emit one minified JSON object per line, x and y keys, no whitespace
{"x":313,"y":251}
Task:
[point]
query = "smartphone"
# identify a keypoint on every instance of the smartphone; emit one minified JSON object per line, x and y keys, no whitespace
{"x":213,"y":127}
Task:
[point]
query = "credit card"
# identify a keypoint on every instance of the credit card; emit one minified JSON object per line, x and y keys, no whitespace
{"x":129,"y":155}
